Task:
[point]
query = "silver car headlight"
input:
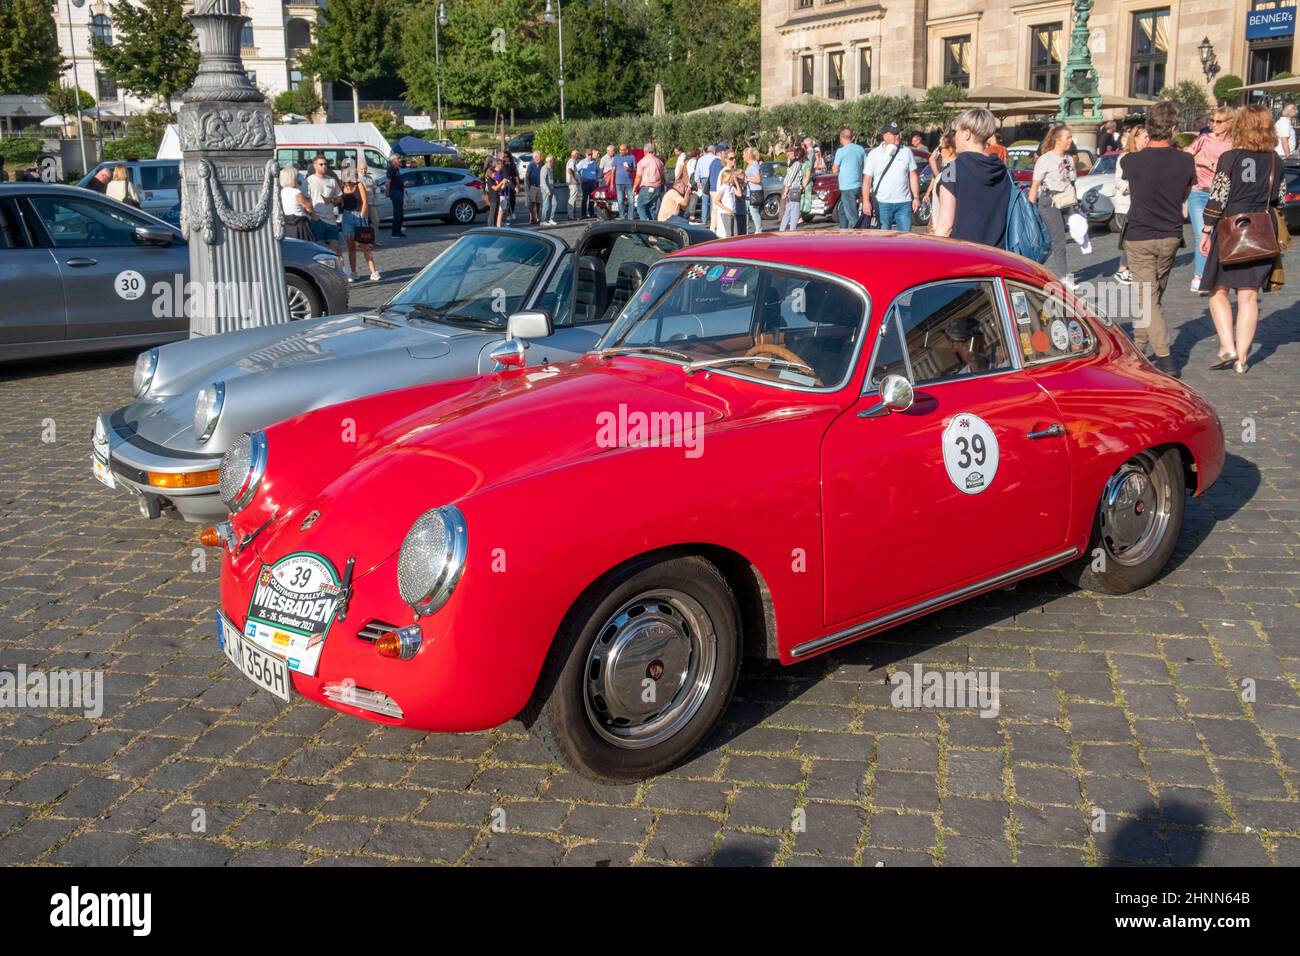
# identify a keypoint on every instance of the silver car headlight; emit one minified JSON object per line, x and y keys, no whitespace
{"x":327,"y":259}
{"x":432,"y":559}
{"x":145,"y":365}
{"x":242,"y":470}
{"x":1090,"y":197}
{"x":207,"y":410}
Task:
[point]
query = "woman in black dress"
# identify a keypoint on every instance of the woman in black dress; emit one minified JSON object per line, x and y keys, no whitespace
{"x":1248,"y":178}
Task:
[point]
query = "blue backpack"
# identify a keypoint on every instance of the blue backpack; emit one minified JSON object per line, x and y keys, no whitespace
{"x":1027,"y":234}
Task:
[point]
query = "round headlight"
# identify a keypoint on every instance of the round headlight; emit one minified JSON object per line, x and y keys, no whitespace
{"x":1091,"y":195}
{"x":242,"y":469}
{"x":145,"y":365}
{"x":432,"y":558}
{"x":207,"y":410}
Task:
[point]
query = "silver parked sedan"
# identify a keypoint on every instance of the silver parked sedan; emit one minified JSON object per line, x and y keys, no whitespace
{"x":448,"y":193}
{"x":82,"y":273}
{"x":495,"y":298}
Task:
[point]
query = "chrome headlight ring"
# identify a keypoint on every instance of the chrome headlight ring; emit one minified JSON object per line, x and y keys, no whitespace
{"x":146,"y":364}
{"x":242,"y":469}
{"x":207,"y":410}
{"x":432,"y":559}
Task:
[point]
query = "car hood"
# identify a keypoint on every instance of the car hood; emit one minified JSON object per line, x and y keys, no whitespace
{"x":271,"y":374}
{"x":500,"y":428}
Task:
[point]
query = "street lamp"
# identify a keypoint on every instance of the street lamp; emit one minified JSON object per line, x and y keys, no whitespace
{"x":441,"y":21}
{"x":76,"y":84}
{"x":1209,"y":62}
{"x":556,"y":16}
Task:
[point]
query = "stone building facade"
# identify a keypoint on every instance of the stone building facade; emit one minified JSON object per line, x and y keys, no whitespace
{"x":845,"y":48}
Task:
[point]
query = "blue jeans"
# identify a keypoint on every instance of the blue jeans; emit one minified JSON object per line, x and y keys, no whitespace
{"x":626,"y":209}
{"x":647,"y":202}
{"x":1196,"y":201}
{"x":847,"y":209}
{"x":588,"y":187}
{"x":705,"y":199}
{"x":896,"y":215}
{"x":548,"y":206}
{"x":755,"y":217}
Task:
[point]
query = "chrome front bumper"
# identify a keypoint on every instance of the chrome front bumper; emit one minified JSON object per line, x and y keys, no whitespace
{"x":131,"y":457}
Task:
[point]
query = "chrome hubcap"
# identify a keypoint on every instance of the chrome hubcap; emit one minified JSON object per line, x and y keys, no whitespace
{"x":1134,"y":512}
{"x":464,"y":213}
{"x":299,"y":306}
{"x":649,"y":669}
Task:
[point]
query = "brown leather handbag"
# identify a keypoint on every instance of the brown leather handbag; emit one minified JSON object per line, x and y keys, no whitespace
{"x":1248,"y":236}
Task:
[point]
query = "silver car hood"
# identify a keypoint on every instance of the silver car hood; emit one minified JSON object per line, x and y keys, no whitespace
{"x":275,"y":373}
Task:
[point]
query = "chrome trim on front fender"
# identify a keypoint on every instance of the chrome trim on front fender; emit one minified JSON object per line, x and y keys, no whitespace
{"x":933,"y":604}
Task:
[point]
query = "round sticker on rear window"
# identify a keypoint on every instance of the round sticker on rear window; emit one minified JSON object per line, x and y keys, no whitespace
{"x":1060,"y":335}
{"x":970,"y":453}
{"x":129,"y":284}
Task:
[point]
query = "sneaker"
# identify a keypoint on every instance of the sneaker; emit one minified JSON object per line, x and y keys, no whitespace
{"x":1124,"y":276}
{"x":551,"y":222}
{"x":1196,"y":284}
{"x":375,"y":276}
{"x":1165,"y":364}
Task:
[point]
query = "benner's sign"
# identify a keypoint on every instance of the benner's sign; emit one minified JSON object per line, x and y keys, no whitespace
{"x":1262,"y":24}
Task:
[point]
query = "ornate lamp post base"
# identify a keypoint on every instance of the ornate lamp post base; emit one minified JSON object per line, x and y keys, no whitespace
{"x":1080,"y":87}
{"x":231,"y":212}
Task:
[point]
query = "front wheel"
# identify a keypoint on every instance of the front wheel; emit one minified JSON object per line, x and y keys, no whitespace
{"x":641,"y":671}
{"x":772,"y":206}
{"x":463,"y":212}
{"x":1136,"y":526}
{"x":304,"y":300}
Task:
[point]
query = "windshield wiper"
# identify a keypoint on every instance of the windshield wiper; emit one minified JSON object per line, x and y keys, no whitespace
{"x":452,"y":318}
{"x":634,"y":349}
{"x":750,"y":360}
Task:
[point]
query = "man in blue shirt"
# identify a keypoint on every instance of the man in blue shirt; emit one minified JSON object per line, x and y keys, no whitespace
{"x":703,"y":169}
{"x":624,"y":174}
{"x":849,"y":160}
{"x":589,"y":177}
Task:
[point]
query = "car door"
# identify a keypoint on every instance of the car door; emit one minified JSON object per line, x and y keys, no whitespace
{"x":437,"y":200}
{"x":30,"y":285}
{"x":969,"y":483}
{"x":113,"y":283}
{"x":415,"y":194}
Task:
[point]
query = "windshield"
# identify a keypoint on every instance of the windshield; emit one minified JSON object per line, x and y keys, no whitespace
{"x":480,"y":279}
{"x":762,"y":323}
{"x":1105,"y":165}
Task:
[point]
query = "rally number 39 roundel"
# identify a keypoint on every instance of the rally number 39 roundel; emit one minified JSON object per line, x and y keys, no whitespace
{"x":970,"y":453}
{"x":292,"y":607}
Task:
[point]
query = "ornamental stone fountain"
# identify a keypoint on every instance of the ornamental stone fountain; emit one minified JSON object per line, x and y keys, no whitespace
{"x":230,"y":209}
{"x":1080,"y":89}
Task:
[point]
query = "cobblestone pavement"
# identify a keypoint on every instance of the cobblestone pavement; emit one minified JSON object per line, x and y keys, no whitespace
{"x":1128,"y":706}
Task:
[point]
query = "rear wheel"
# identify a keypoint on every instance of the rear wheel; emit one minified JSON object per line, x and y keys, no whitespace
{"x":1136,"y":527}
{"x":463,"y":211}
{"x":641,"y":671}
{"x":304,"y":300}
{"x":772,"y":206}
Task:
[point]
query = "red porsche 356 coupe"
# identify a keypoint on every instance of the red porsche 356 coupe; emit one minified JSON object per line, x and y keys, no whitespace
{"x":785,"y":443}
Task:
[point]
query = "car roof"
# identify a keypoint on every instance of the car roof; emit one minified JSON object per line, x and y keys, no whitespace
{"x":52,"y":188}
{"x":878,"y":261}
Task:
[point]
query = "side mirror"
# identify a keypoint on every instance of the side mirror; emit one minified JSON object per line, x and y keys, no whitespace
{"x":529,"y":324}
{"x":510,"y":353}
{"x":896,"y":395}
{"x":154,"y":235}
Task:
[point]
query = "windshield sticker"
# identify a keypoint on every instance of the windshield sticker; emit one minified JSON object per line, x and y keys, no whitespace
{"x":1040,"y":340}
{"x":1026,"y":344}
{"x":970,"y":453}
{"x":695,"y":272}
{"x":1076,"y":334}
{"x":730,"y":274}
{"x":1060,"y":335}
{"x":1020,"y":303}
{"x":714,"y":273}
{"x":292,"y":607}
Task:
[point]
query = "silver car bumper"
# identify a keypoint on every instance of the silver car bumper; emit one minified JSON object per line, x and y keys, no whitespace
{"x":128,"y":460}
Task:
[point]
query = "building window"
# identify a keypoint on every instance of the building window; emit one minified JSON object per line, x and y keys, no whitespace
{"x":105,"y":89}
{"x":246,"y":38}
{"x":1045,"y":58}
{"x":101,"y":29}
{"x":806,"y":73}
{"x":1150,"y":53}
{"x":804,"y":4}
{"x":835,"y":75}
{"x":295,"y":79}
{"x":864,"y":70}
{"x":956,"y":61}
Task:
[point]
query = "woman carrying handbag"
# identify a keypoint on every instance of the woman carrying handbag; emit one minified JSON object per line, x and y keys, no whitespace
{"x":1240,"y":240}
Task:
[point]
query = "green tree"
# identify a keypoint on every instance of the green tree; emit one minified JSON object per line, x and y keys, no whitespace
{"x":62,"y":99}
{"x":491,"y":56}
{"x":1189,"y":97}
{"x":303,"y":100}
{"x":1227,"y":88}
{"x":353,"y":42}
{"x":605,"y":68}
{"x":153,"y":51}
{"x":701,"y":60}
{"x":29,"y":47}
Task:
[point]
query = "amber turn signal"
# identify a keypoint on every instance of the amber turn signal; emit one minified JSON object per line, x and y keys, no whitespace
{"x":209,"y":537}
{"x":193,"y":479}
{"x":402,"y":643}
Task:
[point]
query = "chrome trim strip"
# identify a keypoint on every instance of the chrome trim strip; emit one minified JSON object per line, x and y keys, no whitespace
{"x":932,"y":604}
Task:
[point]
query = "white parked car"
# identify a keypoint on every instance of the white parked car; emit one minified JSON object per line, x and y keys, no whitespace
{"x":1096,"y":193}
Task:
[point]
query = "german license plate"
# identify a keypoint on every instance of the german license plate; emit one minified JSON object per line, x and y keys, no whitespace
{"x":99,"y":455}
{"x":818,"y":207}
{"x":265,"y":670}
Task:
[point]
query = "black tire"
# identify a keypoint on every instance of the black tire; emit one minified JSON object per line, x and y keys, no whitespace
{"x":1108,"y":571}
{"x":561,"y":714}
{"x":302,"y":295}
{"x":771,"y":206}
{"x":603,"y":214}
{"x":463,"y":212}
{"x":1117,"y":221}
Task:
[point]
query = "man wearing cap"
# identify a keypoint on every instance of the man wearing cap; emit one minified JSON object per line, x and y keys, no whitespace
{"x":849,"y":159}
{"x":890,"y":181}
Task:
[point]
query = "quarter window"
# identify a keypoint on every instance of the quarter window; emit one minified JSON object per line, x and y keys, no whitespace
{"x":947,"y":330}
{"x":1046,"y":327}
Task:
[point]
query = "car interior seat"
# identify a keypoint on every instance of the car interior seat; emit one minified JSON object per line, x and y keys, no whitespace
{"x":591,"y":295}
{"x":630,"y":276}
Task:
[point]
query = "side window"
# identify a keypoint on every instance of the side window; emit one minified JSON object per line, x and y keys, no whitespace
{"x":952,"y":329}
{"x":160,"y":177}
{"x":557,"y":299}
{"x":78,"y":222}
{"x":1047,"y":328}
{"x":889,"y":352}
{"x":375,"y":161}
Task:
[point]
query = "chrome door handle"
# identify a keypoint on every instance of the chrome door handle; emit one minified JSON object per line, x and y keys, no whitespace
{"x":1055,"y":430}
{"x":77,"y":261}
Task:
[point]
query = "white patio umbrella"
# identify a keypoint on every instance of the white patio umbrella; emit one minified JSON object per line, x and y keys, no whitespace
{"x":721,"y":108}
{"x":658,"y":109}
{"x":1290,"y":84}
